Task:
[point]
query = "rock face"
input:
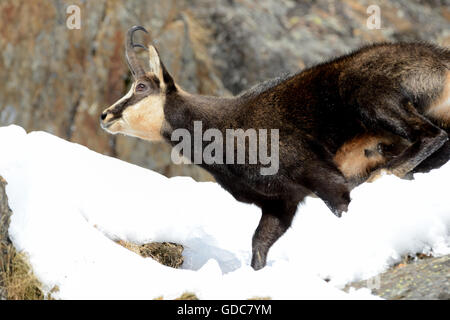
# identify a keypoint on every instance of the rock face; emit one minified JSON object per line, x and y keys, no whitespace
{"x":421,"y":280}
{"x":257,"y":40}
{"x":59,"y":80}
{"x":5,"y":214}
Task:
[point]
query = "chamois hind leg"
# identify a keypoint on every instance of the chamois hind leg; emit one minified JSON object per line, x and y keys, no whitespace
{"x":405,"y":121}
{"x":438,"y":111}
{"x":276,"y":218}
{"x":434,"y":161}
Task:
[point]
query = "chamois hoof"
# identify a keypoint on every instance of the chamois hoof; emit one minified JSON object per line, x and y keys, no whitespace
{"x":257,"y":267}
{"x":339,"y":209}
{"x":257,"y":261}
{"x":408,"y":176}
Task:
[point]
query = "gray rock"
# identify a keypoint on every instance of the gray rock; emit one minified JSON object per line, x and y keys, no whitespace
{"x":427,"y":279}
{"x":5,"y":214}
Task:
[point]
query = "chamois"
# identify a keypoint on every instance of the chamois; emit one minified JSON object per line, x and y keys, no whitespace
{"x":384,"y":106}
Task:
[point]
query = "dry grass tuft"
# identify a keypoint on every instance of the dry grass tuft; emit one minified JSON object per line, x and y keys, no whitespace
{"x":166,"y":253}
{"x":16,"y":276}
{"x":184,"y":296}
{"x":187,"y":296}
{"x":17,"y":281}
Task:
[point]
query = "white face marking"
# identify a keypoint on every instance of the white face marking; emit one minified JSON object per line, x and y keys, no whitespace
{"x":114,"y":127}
{"x":125,"y":97}
{"x":145,"y":119}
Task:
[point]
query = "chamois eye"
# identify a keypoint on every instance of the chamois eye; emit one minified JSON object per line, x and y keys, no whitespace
{"x":141,"y":87}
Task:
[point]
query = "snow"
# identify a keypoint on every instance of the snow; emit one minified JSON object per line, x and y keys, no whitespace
{"x":70,"y":204}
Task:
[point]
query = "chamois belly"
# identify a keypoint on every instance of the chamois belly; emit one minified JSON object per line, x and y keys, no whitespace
{"x":247,"y":186}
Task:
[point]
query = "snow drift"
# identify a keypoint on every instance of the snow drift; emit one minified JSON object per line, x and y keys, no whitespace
{"x":69,"y":205}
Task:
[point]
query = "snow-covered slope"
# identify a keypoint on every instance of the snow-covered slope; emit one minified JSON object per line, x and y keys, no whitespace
{"x":70,"y":203}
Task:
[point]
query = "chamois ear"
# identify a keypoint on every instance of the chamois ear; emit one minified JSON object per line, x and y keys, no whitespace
{"x":157,"y":67}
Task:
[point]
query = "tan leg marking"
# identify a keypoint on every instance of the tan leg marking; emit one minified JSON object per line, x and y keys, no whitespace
{"x":352,"y":161}
{"x":440,"y":108}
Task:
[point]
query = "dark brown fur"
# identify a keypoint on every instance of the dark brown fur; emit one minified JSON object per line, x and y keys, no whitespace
{"x":380,"y":91}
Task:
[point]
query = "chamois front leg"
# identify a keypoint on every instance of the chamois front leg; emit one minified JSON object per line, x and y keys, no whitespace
{"x":275,"y":220}
{"x":326,"y":182}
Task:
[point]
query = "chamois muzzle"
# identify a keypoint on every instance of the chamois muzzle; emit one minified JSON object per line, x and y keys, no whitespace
{"x":132,"y":60}
{"x":106,"y":120}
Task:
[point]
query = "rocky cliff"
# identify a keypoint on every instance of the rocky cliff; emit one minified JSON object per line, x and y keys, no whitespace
{"x":5,"y":243}
{"x":59,"y":80}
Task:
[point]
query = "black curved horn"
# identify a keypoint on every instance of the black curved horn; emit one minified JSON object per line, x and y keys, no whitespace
{"x":133,"y":62}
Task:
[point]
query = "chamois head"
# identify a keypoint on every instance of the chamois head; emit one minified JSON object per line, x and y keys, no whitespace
{"x":140,"y":112}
